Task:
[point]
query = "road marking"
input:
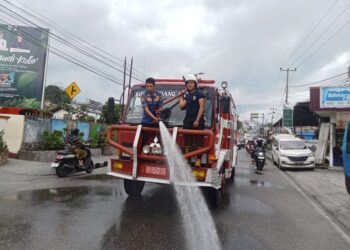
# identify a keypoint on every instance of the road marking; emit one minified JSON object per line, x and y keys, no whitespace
{"x":324,"y":214}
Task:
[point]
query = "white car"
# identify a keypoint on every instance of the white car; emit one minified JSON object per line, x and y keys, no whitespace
{"x":291,"y":152}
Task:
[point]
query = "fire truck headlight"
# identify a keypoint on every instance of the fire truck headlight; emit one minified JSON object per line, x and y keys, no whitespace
{"x":224,"y":85}
{"x":146,"y":149}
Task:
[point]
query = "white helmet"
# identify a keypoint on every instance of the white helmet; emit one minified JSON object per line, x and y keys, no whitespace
{"x":191,"y":77}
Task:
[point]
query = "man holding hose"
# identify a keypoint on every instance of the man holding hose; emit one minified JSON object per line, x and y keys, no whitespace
{"x":152,"y":103}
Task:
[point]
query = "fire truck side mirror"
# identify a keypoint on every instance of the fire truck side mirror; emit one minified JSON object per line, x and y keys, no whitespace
{"x":225,"y":104}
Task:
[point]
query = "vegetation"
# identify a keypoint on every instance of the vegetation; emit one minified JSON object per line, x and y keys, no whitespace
{"x":108,"y":117}
{"x":56,"y":96}
{"x":52,"y":141}
{"x":98,"y":140}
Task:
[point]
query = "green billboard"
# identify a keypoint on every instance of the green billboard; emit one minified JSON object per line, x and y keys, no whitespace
{"x":287,"y":119}
{"x":23,"y":53}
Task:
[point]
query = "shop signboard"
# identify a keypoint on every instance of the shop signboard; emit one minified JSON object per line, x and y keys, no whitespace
{"x":23,"y":52}
{"x":254,"y":115}
{"x":335,"y":97}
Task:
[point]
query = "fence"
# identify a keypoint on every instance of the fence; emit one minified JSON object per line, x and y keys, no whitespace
{"x":35,"y":126}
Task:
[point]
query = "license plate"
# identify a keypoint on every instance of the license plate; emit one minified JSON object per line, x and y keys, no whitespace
{"x":298,"y":163}
{"x":261,"y":158}
{"x":54,"y":165}
{"x":155,"y":170}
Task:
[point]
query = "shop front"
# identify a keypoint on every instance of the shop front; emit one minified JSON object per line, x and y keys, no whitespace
{"x":332,"y":103}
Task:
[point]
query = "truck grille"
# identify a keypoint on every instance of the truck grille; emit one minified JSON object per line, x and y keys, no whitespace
{"x":297,"y":158}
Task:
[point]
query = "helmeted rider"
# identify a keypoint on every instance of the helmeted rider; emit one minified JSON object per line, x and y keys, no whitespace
{"x":259,"y":146}
{"x":77,"y":146}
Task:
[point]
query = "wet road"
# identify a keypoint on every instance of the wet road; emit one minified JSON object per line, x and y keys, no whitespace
{"x":260,"y":211}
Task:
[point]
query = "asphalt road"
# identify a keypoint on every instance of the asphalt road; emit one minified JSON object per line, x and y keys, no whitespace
{"x":260,"y":211}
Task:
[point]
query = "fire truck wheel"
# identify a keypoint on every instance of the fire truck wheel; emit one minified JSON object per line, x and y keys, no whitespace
{"x":215,"y":197}
{"x":133,"y":188}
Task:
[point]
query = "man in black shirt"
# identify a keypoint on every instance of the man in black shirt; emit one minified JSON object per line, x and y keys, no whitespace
{"x":194,"y":102}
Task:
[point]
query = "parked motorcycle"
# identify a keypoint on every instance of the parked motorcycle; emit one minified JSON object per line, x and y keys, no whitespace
{"x":260,"y":159}
{"x":67,"y":163}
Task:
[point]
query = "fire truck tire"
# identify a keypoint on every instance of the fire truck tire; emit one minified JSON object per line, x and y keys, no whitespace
{"x":133,"y":188}
{"x":215,"y":197}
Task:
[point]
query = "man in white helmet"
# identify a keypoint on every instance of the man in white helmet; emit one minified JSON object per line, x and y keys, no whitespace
{"x":193,"y":101}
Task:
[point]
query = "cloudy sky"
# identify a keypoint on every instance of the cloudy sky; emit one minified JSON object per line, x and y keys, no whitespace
{"x":242,"y":42}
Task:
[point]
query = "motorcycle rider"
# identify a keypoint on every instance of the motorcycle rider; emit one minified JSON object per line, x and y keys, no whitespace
{"x":258,"y":147}
{"x":77,"y":146}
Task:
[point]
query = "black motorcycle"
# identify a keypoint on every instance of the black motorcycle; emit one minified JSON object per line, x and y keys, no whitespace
{"x":67,"y":163}
{"x":260,"y":158}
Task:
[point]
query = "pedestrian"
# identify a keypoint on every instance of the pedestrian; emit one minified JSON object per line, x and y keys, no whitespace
{"x":152,"y":103}
{"x":193,"y":101}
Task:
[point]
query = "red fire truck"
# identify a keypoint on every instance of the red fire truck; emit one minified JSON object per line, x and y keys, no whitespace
{"x":138,"y":164}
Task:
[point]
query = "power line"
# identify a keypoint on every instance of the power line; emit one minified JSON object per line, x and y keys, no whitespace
{"x":307,"y":84}
{"x":52,"y":23}
{"x":322,"y":33}
{"x":323,"y":44}
{"x":311,"y":32}
{"x":88,"y":46}
{"x":65,"y":56}
{"x":59,"y":39}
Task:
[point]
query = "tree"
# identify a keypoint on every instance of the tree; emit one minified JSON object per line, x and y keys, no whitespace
{"x":82,"y":112}
{"x":54,"y":95}
{"x":110,"y":117}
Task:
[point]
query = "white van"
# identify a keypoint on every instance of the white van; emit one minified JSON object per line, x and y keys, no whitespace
{"x":289,"y":151}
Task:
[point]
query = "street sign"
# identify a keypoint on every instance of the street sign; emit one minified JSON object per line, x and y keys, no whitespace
{"x":72,"y":90}
{"x":287,"y":119}
{"x":94,"y":107}
{"x":254,"y":115}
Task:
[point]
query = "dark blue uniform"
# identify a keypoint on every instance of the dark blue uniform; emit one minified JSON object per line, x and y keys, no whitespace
{"x":192,"y":109}
{"x":153,"y":102}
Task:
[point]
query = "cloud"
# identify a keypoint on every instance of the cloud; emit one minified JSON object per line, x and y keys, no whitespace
{"x":242,"y":42}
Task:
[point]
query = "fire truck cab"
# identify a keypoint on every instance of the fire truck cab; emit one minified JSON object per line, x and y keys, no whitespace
{"x":138,"y":164}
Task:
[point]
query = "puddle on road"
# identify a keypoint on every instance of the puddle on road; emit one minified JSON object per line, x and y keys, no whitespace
{"x":244,"y":203}
{"x":69,"y":195}
{"x":251,"y":182}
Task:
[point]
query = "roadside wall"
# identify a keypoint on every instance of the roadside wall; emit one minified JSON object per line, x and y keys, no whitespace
{"x":34,"y":127}
{"x":14,"y":130}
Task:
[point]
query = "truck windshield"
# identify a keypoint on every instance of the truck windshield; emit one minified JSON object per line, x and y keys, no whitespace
{"x":171,"y":113}
{"x":290,"y":145}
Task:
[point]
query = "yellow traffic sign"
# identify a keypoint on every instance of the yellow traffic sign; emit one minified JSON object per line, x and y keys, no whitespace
{"x":72,"y":90}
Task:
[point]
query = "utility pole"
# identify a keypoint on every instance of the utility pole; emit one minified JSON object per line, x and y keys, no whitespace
{"x":124,"y":79}
{"x":272,"y":114}
{"x":288,"y":70}
{"x":132,"y":59}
